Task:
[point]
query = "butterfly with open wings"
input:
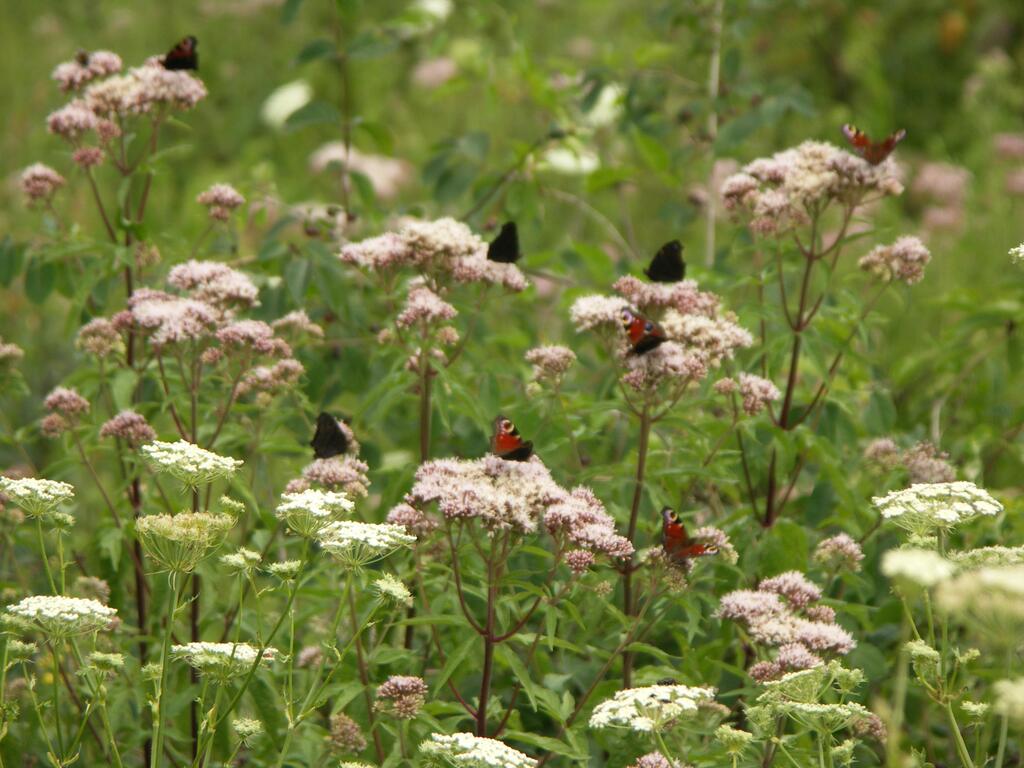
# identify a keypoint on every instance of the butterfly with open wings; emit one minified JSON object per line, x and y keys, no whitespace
{"x":678,"y":545}
{"x":874,"y":152}
{"x":507,"y":443}
{"x":643,"y":334}
{"x":183,"y":55}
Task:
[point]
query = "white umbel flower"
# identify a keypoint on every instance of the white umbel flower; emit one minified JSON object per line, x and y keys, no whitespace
{"x":222,"y":661}
{"x":1009,"y":695}
{"x":60,"y":616}
{"x":925,"y":508}
{"x":308,"y":512}
{"x":650,"y":708}
{"x":922,"y":567}
{"x":180,"y":542}
{"x":188,"y":462}
{"x":390,"y":590}
{"x":468,"y":751}
{"x":35,"y":495}
{"x":356,"y":544}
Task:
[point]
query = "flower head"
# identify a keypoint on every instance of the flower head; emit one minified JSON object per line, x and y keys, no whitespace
{"x":84,"y":68}
{"x":38,"y":497}
{"x":130,"y":427}
{"x":401,"y":696}
{"x":925,"y":508}
{"x":345,"y":734}
{"x":309,"y":511}
{"x":99,"y":337}
{"x":757,"y":393}
{"x":904,"y":260}
{"x":923,"y":567}
{"x":179,"y":542}
{"x":221,"y":200}
{"x":40,"y":182}
{"x":839,"y":551}
{"x":550,"y":363}
{"x":356,"y":544}
{"x":464,"y":750}
{"x":214,"y":283}
{"x":222,"y":661}
{"x":188,"y":462}
{"x":648,"y":709}
{"x":580,"y":516}
{"x":59,"y":616}
{"x":391,"y":590}
{"x":247,"y":729}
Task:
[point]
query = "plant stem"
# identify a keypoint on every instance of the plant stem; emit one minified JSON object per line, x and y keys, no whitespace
{"x":177,"y":583}
{"x":489,"y":644}
{"x":961,"y":747}
{"x":714,"y":67}
{"x":56,"y":697}
{"x":42,"y":553}
{"x":628,"y":597}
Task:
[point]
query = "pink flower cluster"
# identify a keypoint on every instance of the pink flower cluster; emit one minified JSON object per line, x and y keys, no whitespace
{"x":905,"y":260}
{"x":440,"y":249}
{"x":757,"y":393}
{"x":550,"y":362}
{"x":839,"y":551}
{"x":99,"y":337}
{"x":129,"y":426}
{"x":783,"y":613}
{"x":512,"y":495}
{"x":778,"y":192}
{"x":221,"y":200}
{"x":66,"y":406}
{"x":84,"y":68}
{"x":926,"y":464}
{"x":581,"y":518}
{"x":253,"y":336}
{"x":298,"y":322}
{"x":171,"y":319}
{"x":40,"y":182}
{"x":402,"y":695}
{"x":214,"y":283}
{"x":668,"y":362}
{"x":271,"y":380}
{"x":338,"y":473}
{"x":423,"y":306}
{"x":387,"y":175}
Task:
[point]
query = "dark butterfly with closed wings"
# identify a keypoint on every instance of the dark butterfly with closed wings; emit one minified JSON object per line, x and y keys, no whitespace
{"x":668,"y":265}
{"x":329,"y":439}
{"x":507,"y":443}
{"x":643,"y":334}
{"x":183,"y":55}
{"x":505,"y":247}
{"x":679,"y":547}
{"x":874,"y":152}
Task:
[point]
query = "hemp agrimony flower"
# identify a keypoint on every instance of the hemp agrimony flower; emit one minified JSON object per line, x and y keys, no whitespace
{"x":188,"y":462}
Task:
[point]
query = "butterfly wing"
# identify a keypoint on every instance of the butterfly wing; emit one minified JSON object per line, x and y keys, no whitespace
{"x":505,"y":247}
{"x":329,"y":439}
{"x":668,"y":265}
{"x":643,"y":334}
{"x":677,"y":542}
{"x":183,"y":55}
{"x":507,"y":443}
{"x":874,"y":152}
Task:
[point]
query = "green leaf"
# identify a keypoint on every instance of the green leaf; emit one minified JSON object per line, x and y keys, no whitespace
{"x":320,"y":48}
{"x":508,"y":657}
{"x":454,"y":660}
{"x":12,"y":258}
{"x":314,"y":113}
{"x":39,"y":280}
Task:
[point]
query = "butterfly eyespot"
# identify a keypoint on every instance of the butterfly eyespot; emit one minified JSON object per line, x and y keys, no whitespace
{"x":507,"y":426}
{"x":627,"y":316}
{"x":648,"y":326}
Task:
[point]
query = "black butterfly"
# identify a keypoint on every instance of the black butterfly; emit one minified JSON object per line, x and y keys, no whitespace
{"x":667,"y":266}
{"x":183,"y":55}
{"x":505,"y":247}
{"x":329,"y":439}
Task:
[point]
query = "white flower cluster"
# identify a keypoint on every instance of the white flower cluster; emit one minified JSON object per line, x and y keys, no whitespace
{"x":989,"y":600}
{"x":60,"y":616}
{"x":925,"y":508}
{"x":650,"y":708}
{"x":222,"y":660}
{"x":188,"y":462}
{"x":390,"y":590}
{"x":180,"y":542}
{"x":468,"y":751}
{"x":309,"y":511}
{"x":923,"y":567}
{"x":355,"y":544}
{"x":36,"y":496}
